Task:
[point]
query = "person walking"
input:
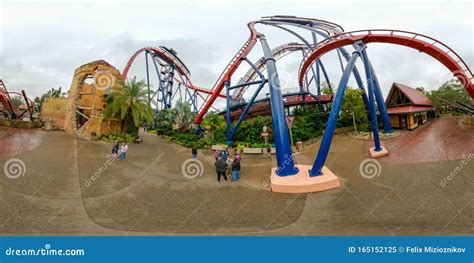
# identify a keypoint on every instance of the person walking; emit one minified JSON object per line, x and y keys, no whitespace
{"x":217,"y":153}
{"x":221,"y":169}
{"x":194,"y":152}
{"x":115,"y":148}
{"x":236,"y":168}
{"x":123,"y":151}
{"x":224,"y":153}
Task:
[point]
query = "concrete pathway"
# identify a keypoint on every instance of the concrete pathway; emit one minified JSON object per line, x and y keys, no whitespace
{"x":75,"y":187}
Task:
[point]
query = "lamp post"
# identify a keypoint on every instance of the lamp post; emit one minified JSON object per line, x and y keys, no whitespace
{"x":353,"y":121}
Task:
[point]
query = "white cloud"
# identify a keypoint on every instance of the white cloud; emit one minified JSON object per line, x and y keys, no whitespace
{"x":42,"y":43}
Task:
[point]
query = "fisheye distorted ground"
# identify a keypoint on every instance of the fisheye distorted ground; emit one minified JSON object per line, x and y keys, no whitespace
{"x":147,"y":194}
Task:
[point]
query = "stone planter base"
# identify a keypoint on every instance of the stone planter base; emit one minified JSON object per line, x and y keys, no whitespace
{"x":302,"y":182}
{"x":379,"y":154}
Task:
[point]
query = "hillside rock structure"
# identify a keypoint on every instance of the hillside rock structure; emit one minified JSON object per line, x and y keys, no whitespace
{"x":81,"y":113}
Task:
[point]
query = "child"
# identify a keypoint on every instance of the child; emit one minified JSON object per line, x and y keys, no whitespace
{"x":236,"y":168}
{"x":115,"y":148}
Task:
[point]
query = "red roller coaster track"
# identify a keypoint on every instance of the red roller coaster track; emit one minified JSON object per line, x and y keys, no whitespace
{"x":422,"y":43}
{"x":5,"y":100}
{"x":169,"y":58}
{"x":228,"y":72}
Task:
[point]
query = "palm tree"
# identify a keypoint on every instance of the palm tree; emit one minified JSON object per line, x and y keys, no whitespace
{"x":131,"y":104}
{"x":183,"y":115}
{"x":213,"y":122}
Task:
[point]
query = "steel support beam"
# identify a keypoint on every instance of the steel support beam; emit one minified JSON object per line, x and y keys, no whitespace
{"x":333,"y":116}
{"x":387,"y":128}
{"x":371,"y":91}
{"x":284,"y":155}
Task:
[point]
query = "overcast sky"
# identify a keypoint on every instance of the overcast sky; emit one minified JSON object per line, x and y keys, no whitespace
{"x":43,"y":42}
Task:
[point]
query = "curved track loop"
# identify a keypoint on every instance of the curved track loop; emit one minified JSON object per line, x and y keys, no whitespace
{"x":422,"y":43}
{"x":329,"y":27}
{"x":278,"y":52}
{"x":168,"y":57}
{"x":228,"y":72}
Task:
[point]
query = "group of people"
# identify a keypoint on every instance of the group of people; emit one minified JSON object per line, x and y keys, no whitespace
{"x":222,"y":164}
{"x":120,"y":150}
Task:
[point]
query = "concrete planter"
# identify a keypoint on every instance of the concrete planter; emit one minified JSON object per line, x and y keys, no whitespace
{"x":253,"y":150}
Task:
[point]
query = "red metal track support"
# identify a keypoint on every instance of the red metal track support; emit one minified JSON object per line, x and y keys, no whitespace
{"x":227,"y":73}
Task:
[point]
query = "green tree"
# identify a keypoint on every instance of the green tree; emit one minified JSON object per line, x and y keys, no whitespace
{"x":165,"y":120}
{"x":130,"y":103}
{"x":250,"y":130}
{"x":17,"y":101}
{"x":52,"y":93}
{"x":183,"y":116}
{"x":214,"y":123}
{"x":309,"y":122}
{"x":327,"y":88}
{"x":421,"y":89}
{"x":352,"y":104}
{"x":451,"y":91}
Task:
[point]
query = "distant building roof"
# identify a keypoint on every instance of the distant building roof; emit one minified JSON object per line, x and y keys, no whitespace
{"x":416,"y":97}
{"x":409,"y":109}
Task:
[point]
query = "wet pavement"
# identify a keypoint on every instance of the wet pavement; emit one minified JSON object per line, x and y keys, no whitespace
{"x":18,"y":141}
{"x":75,"y":187}
{"x":445,"y":139}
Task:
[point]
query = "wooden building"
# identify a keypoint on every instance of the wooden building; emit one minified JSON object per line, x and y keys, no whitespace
{"x":407,"y":107}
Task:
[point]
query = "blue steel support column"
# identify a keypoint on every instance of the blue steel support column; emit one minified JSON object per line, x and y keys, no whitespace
{"x":230,"y":136}
{"x":370,"y":88}
{"x":229,"y":121}
{"x":333,"y":116}
{"x":387,"y":128}
{"x":286,"y":165}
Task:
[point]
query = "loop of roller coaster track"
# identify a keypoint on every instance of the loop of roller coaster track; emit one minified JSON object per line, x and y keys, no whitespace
{"x":330,"y":28}
{"x":436,"y":49}
{"x":170,"y":58}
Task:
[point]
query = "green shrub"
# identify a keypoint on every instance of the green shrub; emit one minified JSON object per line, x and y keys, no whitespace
{"x":119,"y":138}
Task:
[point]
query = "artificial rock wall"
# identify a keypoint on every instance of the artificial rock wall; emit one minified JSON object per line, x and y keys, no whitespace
{"x":81,"y":113}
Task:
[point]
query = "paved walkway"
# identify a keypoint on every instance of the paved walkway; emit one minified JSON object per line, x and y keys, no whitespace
{"x":445,"y":139}
{"x":148,"y":195}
